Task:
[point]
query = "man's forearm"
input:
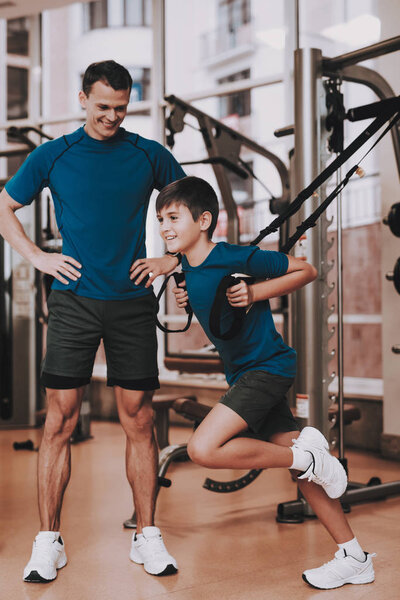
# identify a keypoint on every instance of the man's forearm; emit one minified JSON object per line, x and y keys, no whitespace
{"x":13,"y":232}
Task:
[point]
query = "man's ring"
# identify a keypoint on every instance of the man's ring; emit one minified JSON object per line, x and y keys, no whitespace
{"x":151,"y":274}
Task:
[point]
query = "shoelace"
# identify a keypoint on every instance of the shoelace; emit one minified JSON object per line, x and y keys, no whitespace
{"x":43,"y":549}
{"x":318,"y":480}
{"x":332,"y":562}
{"x":312,"y":476}
{"x":157,"y":544}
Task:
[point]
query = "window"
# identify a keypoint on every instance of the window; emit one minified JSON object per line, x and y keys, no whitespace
{"x":137,"y":13}
{"x":127,"y":13}
{"x":18,"y":37}
{"x":235,"y":104}
{"x":96,"y":15}
{"x":242,"y":189}
{"x":17,"y":97}
{"x":232,"y":14}
{"x":140,"y":85}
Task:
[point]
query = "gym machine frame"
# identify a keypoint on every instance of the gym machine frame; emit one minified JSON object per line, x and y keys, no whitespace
{"x":311,"y":333}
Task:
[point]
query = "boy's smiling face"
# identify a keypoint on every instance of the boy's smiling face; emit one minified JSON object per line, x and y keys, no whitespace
{"x":178,"y":228}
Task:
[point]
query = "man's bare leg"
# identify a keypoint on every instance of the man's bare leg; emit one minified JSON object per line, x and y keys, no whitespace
{"x":54,"y":468}
{"x":54,"y":463}
{"x":136,"y":416}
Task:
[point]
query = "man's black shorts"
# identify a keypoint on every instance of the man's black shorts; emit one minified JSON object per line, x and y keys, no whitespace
{"x":260,"y":399}
{"x":76,"y":326}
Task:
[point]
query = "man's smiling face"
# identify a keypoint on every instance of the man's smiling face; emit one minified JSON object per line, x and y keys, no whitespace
{"x":105,"y":109}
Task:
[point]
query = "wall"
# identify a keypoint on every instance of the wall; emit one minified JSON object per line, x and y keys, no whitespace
{"x":388,"y":66}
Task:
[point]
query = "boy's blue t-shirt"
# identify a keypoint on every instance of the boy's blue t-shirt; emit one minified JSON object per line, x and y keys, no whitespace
{"x":101,"y":192}
{"x":258,"y":346}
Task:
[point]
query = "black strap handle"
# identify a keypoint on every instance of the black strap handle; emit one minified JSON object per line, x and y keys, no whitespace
{"x":179,"y":277}
{"x":238,"y":313}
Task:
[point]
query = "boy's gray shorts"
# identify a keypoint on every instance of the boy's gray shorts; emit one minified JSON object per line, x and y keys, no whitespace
{"x":260,"y":399}
{"x":76,"y":326}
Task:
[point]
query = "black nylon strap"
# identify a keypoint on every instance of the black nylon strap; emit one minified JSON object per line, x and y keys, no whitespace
{"x":179,"y":277}
{"x":392,"y":113}
{"x":322,"y":177}
{"x":216,"y":309}
{"x":312,"y":219}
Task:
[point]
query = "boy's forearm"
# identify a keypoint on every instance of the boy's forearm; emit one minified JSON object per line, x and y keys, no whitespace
{"x":280,"y":286}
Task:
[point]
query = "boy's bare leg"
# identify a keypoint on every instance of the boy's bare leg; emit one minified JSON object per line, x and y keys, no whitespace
{"x":328,"y":511}
{"x":54,"y":462}
{"x":136,"y":416}
{"x":212,"y":445}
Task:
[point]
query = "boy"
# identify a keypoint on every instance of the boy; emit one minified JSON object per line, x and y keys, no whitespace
{"x":259,"y":368}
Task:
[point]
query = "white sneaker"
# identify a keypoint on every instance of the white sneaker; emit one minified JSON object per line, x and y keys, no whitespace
{"x":325,"y":469}
{"x":149,"y":550}
{"x":48,"y":555}
{"x":342,"y":569}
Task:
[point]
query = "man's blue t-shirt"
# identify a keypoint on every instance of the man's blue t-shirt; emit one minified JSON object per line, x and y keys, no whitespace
{"x":101,"y":192}
{"x":258,"y":346}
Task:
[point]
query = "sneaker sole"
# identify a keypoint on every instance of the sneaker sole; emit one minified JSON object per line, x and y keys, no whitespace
{"x":35,"y":577}
{"x":333,"y":587}
{"x":342,"y":490}
{"x":169,"y":569}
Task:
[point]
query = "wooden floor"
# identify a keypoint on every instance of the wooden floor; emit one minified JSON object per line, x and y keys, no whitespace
{"x":228,"y":546}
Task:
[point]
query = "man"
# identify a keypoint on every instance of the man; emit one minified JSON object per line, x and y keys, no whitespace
{"x":101,"y":178}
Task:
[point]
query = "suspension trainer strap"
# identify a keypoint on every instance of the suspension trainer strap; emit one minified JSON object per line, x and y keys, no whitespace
{"x":179,"y":277}
{"x":322,"y":177}
{"x":312,"y":219}
{"x":238,"y":314}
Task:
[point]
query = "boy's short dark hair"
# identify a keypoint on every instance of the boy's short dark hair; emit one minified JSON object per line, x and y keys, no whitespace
{"x":110,"y":73}
{"x":194,"y":193}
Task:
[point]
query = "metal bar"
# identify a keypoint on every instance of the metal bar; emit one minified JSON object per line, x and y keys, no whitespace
{"x":297,"y":23}
{"x":14,"y":152}
{"x":351,"y":58}
{"x":362,"y":493}
{"x":249,"y":143}
{"x":379,"y":85}
{"x":233,"y":235}
{"x":371,"y":492}
{"x":234,"y":87}
{"x":339,"y":280}
{"x":144,"y":106}
{"x":3,"y":92}
{"x":158,"y":71}
{"x":307,"y":315}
